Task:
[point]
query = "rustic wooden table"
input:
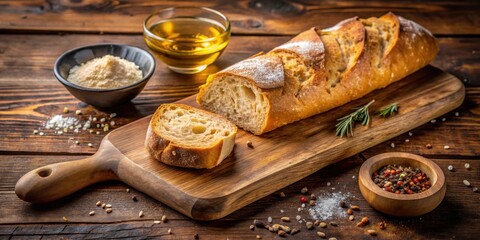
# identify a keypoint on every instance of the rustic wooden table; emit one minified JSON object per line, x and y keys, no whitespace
{"x":34,"y":33}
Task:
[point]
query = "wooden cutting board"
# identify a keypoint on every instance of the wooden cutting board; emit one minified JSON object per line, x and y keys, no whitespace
{"x":279,"y":158}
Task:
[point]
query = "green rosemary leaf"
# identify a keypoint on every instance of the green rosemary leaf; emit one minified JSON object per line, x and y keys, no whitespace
{"x":389,"y":110}
{"x":346,"y":123}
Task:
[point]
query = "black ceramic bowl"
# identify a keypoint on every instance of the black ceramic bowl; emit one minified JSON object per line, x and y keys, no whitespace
{"x":104,"y":98}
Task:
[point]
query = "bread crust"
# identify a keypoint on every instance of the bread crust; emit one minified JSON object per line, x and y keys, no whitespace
{"x":380,"y":51}
{"x":173,"y":153}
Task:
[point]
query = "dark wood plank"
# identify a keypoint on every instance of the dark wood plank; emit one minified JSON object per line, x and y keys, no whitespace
{"x":247,"y":17}
{"x":20,"y":219}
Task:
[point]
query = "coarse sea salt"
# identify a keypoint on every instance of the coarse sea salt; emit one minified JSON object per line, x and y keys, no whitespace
{"x":327,"y":206}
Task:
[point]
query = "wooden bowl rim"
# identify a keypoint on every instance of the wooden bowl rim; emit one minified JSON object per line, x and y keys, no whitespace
{"x":365,"y":175}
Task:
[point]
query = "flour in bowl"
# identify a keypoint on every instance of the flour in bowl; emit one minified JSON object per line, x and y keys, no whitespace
{"x":105,"y":72}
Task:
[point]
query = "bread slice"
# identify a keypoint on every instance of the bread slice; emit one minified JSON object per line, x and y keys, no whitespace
{"x":183,"y":136}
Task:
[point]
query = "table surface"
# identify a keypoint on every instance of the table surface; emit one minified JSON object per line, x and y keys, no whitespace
{"x":34,"y":33}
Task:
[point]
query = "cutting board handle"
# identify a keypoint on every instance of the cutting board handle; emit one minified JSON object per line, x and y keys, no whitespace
{"x":52,"y":182}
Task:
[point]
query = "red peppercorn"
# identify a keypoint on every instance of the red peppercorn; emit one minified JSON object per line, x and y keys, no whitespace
{"x":409,"y":191}
{"x":303,"y":199}
{"x":399,"y":183}
{"x":393,"y":172}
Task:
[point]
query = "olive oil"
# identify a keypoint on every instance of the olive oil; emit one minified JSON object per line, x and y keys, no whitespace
{"x":187,"y":44}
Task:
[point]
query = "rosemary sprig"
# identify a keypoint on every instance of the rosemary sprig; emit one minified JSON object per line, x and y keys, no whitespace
{"x":345,"y":124}
{"x":388,"y":111}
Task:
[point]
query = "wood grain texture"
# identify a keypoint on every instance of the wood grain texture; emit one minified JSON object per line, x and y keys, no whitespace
{"x":23,"y":220}
{"x":300,"y":148}
{"x":30,"y":94}
{"x":247,"y":17}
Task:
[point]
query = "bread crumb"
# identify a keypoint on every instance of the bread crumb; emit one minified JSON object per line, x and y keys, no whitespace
{"x":105,"y":72}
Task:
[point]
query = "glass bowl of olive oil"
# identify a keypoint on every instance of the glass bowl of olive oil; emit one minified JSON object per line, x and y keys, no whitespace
{"x":187,"y":39}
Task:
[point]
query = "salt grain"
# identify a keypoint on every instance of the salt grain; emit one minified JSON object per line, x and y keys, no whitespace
{"x":327,"y":206}
{"x":392,"y":145}
{"x":410,"y":134}
{"x":433,"y":121}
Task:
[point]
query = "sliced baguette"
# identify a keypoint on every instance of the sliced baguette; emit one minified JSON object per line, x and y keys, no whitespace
{"x":183,"y":136}
{"x":318,"y":70}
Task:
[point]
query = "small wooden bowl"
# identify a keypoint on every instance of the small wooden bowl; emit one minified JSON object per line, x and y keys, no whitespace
{"x":402,"y":205}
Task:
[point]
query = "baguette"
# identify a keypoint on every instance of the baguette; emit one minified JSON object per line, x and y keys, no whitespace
{"x":183,"y":136}
{"x":318,"y":70}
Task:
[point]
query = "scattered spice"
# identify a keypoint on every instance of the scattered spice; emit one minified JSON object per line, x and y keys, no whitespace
{"x":250,"y":144}
{"x":103,"y":205}
{"x":91,"y":213}
{"x":78,"y":112}
{"x":312,"y":203}
{"x":429,"y":146}
{"x":382,"y":225}
{"x":446,"y":147}
{"x":323,"y":225}
{"x":349,"y":211}
{"x":355,"y":208}
{"x":342,"y":204}
{"x":363,"y":222}
{"x":372,"y":232}
{"x":475,"y":189}
{"x":258,"y":237}
{"x":90,"y":144}
{"x":258,"y":223}
{"x":281,"y":233}
{"x":466,"y":182}
{"x":196,"y":236}
{"x":98,"y":204}
{"x":294,"y":231}
{"x":351,"y":217}
{"x":335,"y":224}
{"x":164,"y":219}
{"x":282,"y":194}
{"x":156,"y":222}
{"x":108,"y":206}
{"x":467,"y":165}
{"x":252,"y":227}
{"x":304,"y":190}
{"x":313,"y":197}
{"x":127,"y":190}
{"x":321,"y":234}
{"x":66,"y":110}
{"x":134,"y":198}
{"x":309,"y":225}
{"x":140,"y":214}
{"x":285,"y":219}
{"x":65,"y":219}
{"x":269,"y":220}
{"x":303,"y":199}
{"x":169,"y":231}
{"x":108,"y":210}
{"x":450,"y":168}
{"x":401,"y":180}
